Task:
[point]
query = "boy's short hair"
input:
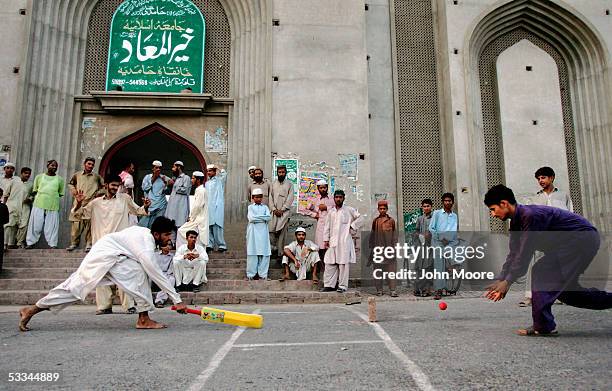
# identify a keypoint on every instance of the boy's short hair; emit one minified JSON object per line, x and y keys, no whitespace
{"x":191,"y":232}
{"x":26,"y":169}
{"x":499,"y":193}
{"x":545,"y":171}
{"x":427,"y":201}
{"x":448,"y":195}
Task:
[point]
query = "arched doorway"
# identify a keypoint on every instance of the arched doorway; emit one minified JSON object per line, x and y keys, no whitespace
{"x":155,"y":142}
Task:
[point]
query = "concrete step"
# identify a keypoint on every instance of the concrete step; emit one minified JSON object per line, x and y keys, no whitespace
{"x":45,"y":284}
{"x":210,"y":297}
{"x":74,"y":263}
{"x":63,"y":254}
{"x":213,"y":273}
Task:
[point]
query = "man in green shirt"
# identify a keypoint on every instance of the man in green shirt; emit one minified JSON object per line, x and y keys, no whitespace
{"x":91,"y":185}
{"x":48,"y":188}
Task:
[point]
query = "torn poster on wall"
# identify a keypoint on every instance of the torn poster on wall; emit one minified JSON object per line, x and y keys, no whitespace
{"x":308,"y":194}
{"x":93,"y":139}
{"x":215,"y":141}
{"x":293,"y":172}
{"x":348,"y":165}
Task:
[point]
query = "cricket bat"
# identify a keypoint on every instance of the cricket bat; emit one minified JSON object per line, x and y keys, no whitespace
{"x":229,"y":317}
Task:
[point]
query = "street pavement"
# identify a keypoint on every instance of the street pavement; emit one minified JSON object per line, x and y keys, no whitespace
{"x":414,"y":345}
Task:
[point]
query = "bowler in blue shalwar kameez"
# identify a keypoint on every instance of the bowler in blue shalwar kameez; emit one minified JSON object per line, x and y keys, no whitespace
{"x":258,"y":238}
{"x":569,"y":243}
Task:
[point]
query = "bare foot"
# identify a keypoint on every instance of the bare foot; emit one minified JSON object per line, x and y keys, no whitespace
{"x":26,"y":314}
{"x":149,"y":324}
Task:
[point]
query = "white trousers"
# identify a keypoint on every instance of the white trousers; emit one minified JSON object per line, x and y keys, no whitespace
{"x":336,"y":272}
{"x":43,"y":219}
{"x":127,"y":275}
{"x":190,"y":272}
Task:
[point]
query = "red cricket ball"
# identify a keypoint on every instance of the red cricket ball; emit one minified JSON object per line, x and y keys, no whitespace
{"x":442,"y":305}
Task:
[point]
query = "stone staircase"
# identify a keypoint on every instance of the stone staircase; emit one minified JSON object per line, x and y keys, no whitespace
{"x":28,"y":275}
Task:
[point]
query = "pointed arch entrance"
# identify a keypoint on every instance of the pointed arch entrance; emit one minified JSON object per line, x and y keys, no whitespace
{"x":154,"y":142}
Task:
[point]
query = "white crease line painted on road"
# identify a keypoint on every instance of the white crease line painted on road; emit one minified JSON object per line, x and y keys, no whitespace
{"x":215,"y":361}
{"x":420,"y":378}
{"x":263,"y":345}
{"x":286,"y":312}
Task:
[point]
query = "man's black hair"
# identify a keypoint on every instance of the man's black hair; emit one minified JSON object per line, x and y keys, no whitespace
{"x":191,"y":232}
{"x":89,"y":159}
{"x":448,"y":195}
{"x":26,"y":169}
{"x":162,"y":225}
{"x":544,"y":171}
{"x":339,"y":192}
{"x":499,"y":193}
{"x":112,"y":178}
{"x":427,"y":201}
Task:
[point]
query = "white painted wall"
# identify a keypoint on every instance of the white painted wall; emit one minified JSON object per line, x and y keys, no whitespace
{"x":14,"y":49}
{"x":320,"y":103}
{"x":525,"y":96}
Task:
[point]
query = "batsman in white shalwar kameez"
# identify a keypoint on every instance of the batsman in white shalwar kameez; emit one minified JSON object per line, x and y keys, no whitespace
{"x":198,"y":219}
{"x":126,"y":259}
{"x":341,"y":251}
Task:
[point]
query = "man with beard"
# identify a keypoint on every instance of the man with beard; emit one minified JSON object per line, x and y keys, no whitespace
{"x":125,"y":258}
{"x":281,"y":201}
{"x":259,"y":183}
{"x":178,"y":204}
{"x":319,"y":210}
{"x":108,"y":214}
{"x":154,"y":187}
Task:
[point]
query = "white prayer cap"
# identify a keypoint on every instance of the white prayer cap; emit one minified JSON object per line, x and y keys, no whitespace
{"x":9,"y":164}
{"x":252,"y":168}
{"x":257,"y":191}
{"x":198,"y":174}
{"x":300,"y":229}
{"x":211,"y":167}
{"x":321,"y":182}
{"x":179,"y":163}
{"x":157,"y":163}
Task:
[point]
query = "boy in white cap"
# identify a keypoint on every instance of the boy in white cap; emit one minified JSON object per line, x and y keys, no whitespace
{"x":215,"y":186}
{"x":178,"y":203}
{"x":198,"y":218}
{"x":300,"y":257}
{"x":154,"y":187}
{"x":258,"y":241}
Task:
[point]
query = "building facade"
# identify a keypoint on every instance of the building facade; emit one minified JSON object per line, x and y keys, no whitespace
{"x":393,"y":99}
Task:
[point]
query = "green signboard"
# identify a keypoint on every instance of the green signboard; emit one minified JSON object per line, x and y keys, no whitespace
{"x":156,"y":46}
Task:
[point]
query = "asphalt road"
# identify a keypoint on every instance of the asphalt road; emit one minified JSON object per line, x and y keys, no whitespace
{"x":414,"y":345}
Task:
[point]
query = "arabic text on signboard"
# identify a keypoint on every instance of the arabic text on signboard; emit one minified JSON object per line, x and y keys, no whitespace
{"x":156,"y":46}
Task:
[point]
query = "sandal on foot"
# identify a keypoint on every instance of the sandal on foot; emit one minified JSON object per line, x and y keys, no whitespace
{"x":379,"y":293}
{"x":531,"y":332}
{"x":393,"y":294}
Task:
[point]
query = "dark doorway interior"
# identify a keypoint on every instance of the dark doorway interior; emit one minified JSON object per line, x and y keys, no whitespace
{"x":147,"y":145}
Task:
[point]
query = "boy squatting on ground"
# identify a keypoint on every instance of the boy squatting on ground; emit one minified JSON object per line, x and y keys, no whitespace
{"x":555,"y":275}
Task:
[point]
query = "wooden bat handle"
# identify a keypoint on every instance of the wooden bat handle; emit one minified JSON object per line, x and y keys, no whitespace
{"x":189,"y":310}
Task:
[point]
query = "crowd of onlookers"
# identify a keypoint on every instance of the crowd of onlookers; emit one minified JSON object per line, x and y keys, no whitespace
{"x":101,"y":206}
